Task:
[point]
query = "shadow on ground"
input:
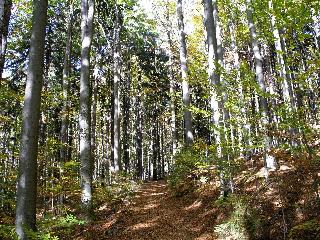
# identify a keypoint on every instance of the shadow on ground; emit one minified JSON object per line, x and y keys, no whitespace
{"x":155,"y":214}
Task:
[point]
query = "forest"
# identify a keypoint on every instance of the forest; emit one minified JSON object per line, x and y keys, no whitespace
{"x":160,"y":119}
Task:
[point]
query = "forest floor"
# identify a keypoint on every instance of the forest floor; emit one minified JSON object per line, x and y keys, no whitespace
{"x":154,"y":213}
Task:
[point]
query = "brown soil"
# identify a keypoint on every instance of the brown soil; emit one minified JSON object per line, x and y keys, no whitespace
{"x":154,"y":214}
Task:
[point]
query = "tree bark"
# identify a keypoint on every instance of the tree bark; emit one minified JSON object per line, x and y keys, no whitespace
{"x":139,"y":145}
{"x":184,"y":75}
{"x":65,"y":89}
{"x":116,"y":92}
{"x":285,"y":77}
{"x":316,"y":27}
{"x":214,"y":77}
{"x":172,"y":87}
{"x":86,"y":170}
{"x":27,"y":180}
{"x":269,"y":161}
{"x":126,"y":122}
{"x":5,"y":14}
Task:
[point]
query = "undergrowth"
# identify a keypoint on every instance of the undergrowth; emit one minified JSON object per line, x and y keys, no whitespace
{"x":185,"y":176}
{"x":66,"y":218}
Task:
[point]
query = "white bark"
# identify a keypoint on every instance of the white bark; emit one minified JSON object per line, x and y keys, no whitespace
{"x":116,"y":92}
{"x":286,"y":84}
{"x":86,"y":170}
{"x":260,"y":79}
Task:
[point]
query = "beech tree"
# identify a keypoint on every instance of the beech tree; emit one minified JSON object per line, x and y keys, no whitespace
{"x":86,"y":170}
{"x":27,"y":181}
{"x":184,"y":75}
{"x":269,"y":160}
{"x":5,"y":13}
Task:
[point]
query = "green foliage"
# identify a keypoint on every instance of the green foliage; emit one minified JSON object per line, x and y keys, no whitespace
{"x":309,"y":230}
{"x":236,"y":226}
{"x":7,"y":193}
{"x":121,"y":189}
{"x":7,"y":232}
{"x":41,"y":236}
{"x":68,"y":221}
{"x":185,"y":172}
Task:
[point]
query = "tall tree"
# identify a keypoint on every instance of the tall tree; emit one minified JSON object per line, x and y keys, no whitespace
{"x":269,"y":161}
{"x":172,"y":81}
{"x":27,"y":180}
{"x":86,"y":170}
{"x":184,"y":75}
{"x":139,"y":136}
{"x":283,"y":70}
{"x":5,"y":14}
{"x":116,"y":92}
{"x":65,"y":89}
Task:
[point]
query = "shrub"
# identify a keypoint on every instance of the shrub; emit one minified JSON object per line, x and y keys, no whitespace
{"x":185,"y":172}
{"x":243,"y":221}
{"x":121,"y":189}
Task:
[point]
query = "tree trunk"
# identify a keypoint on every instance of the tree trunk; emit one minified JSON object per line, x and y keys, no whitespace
{"x":139,"y":129}
{"x":316,"y":27}
{"x":116,"y":92}
{"x":5,"y":14}
{"x":94,"y":110}
{"x":214,"y":78}
{"x":126,"y":122}
{"x":86,"y":170}
{"x":27,"y":180}
{"x":269,"y":161}
{"x":172,"y":88}
{"x":286,"y":83}
{"x":155,"y":145}
{"x":184,"y":72}
{"x":65,"y":90}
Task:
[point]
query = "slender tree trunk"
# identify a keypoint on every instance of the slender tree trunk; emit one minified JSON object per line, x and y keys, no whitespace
{"x":94,"y":110}
{"x":139,"y":145}
{"x":214,"y":78}
{"x":155,"y":145}
{"x":184,"y":74}
{"x":240,"y":126}
{"x":172,"y":99}
{"x":286,"y":84}
{"x":86,"y":170}
{"x":172,"y":88}
{"x":126,"y":126}
{"x":269,"y":161}
{"x":5,"y":14}
{"x":27,"y":180}
{"x":116,"y":92}
{"x":316,"y":27}
{"x":65,"y":90}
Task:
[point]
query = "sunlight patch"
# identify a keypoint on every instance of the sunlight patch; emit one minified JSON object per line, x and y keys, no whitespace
{"x":196,"y":204}
{"x":144,"y":225}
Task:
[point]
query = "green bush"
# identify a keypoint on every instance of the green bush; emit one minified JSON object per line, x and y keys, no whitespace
{"x":243,"y":222}
{"x":185,"y":174}
{"x":121,"y":189}
{"x":7,"y":232}
{"x":235,"y":226}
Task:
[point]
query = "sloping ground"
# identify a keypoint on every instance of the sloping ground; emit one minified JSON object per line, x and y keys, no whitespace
{"x":285,"y":207}
{"x":155,"y":214}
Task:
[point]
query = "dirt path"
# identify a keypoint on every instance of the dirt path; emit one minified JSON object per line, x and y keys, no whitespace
{"x":155,"y":214}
